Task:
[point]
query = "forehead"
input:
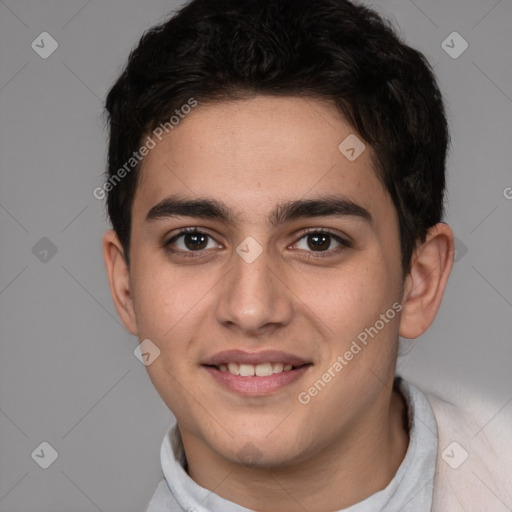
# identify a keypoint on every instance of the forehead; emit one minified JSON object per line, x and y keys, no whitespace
{"x":258,"y":152}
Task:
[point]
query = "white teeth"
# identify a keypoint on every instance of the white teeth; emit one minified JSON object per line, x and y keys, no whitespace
{"x":246,"y":370}
{"x":277,"y":367}
{"x":249,"y":370}
{"x":234,"y":368}
{"x":263,"y":370}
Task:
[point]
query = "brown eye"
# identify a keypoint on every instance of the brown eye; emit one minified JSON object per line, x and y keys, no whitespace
{"x":319,"y":242}
{"x":190,"y":240}
{"x":195,"y":241}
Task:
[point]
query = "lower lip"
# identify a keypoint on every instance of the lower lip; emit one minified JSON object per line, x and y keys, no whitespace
{"x":256,"y":386}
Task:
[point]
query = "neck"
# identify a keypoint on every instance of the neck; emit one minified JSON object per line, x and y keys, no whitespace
{"x":351,"y":468}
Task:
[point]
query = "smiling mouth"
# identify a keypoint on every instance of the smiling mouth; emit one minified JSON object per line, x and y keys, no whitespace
{"x":255,"y":370}
{"x":254,"y":374}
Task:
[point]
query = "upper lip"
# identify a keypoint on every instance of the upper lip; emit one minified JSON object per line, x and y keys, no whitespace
{"x":254,"y":358}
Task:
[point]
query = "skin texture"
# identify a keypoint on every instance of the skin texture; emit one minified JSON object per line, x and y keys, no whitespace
{"x":349,"y":440}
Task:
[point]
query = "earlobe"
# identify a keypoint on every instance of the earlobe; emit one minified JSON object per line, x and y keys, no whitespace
{"x":425,"y":284}
{"x":119,"y":280}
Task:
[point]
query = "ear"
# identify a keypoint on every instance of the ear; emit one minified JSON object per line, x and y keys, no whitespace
{"x":425,"y":284}
{"x":119,"y":280}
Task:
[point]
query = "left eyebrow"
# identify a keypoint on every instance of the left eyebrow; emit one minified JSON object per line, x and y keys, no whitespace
{"x":204,"y":208}
{"x":330,"y":206}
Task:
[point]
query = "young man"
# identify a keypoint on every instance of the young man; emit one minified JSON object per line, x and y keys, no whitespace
{"x":276,"y":180}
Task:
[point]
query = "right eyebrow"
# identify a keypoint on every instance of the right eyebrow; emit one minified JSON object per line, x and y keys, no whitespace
{"x":174,"y":206}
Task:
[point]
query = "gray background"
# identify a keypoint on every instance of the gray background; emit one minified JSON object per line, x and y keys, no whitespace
{"x":68,"y":375}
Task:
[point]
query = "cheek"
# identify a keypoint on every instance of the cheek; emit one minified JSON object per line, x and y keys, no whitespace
{"x":351,"y":299}
{"x":350,"y":304}
{"x":164,"y":299}
{"x":167,"y":309}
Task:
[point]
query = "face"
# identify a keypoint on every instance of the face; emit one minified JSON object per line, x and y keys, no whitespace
{"x":257,"y":246}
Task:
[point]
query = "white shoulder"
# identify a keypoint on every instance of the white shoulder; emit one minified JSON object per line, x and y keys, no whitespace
{"x":474,"y":462}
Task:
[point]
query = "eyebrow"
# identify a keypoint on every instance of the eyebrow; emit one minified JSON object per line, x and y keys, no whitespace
{"x":204,"y":208}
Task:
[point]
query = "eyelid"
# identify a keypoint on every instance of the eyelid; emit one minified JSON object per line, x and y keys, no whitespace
{"x":327,"y":231}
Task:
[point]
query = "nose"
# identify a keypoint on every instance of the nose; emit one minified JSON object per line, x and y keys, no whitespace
{"x":254,"y":298}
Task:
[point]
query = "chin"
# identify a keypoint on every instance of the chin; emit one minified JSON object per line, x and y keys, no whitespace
{"x":261,"y":451}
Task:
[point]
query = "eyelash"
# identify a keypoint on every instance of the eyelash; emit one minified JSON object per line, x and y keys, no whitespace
{"x":344,"y":244}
